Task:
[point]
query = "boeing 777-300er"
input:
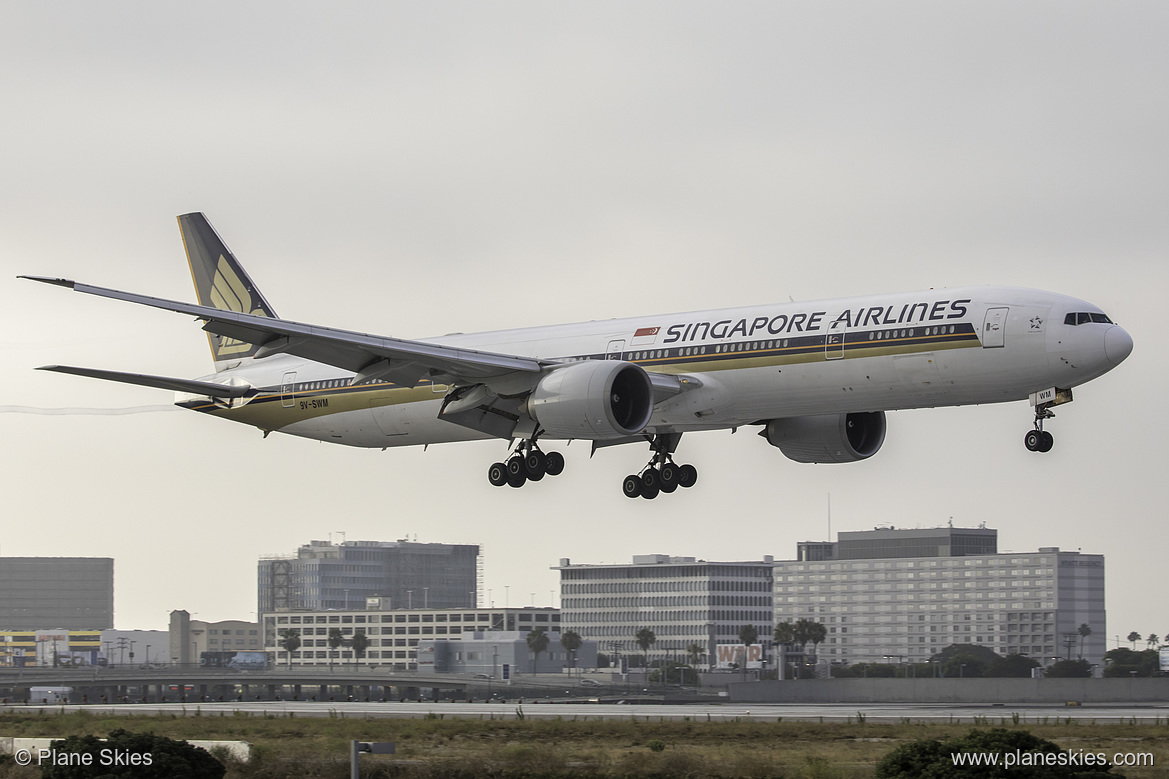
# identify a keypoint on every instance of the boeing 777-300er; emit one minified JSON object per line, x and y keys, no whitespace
{"x":817,"y":377}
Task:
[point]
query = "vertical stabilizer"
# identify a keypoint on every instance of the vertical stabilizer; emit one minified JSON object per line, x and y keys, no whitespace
{"x":221,"y":282}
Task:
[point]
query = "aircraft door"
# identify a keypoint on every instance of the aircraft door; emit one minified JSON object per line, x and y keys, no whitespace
{"x":288,"y":390}
{"x":834,"y":341}
{"x":615,"y":350}
{"x":994,"y":328}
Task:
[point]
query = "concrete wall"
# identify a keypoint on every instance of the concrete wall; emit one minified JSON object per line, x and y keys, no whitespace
{"x":952,"y":691}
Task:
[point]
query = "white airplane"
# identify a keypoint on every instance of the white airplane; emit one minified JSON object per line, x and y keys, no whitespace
{"x":816,"y":377}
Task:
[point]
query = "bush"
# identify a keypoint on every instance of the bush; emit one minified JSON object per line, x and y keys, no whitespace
{"x":140,"y":755}
{"x":933,"y":759}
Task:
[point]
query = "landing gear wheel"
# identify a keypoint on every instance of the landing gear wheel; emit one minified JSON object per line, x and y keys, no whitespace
{"x":536,"y":465}
{"x":631,"y":486}
{"x":497,"y":474}
{"x":1032,"y":440}
{"x":516,"y":472}
{"x":554,"y":463}
{"x":1046,"y":441}
{"x":687,"y":475}
{"x":668,"y":475}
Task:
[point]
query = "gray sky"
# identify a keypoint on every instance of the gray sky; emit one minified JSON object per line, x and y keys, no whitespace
{"x":413,"y":169}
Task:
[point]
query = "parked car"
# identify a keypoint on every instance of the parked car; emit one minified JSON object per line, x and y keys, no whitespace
{"x":590,"y":683}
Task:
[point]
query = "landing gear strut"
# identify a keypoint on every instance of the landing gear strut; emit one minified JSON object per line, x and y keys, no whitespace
{"x":527,"y":463}
{"x":661,"y":474}
{"x":1039,"y":440}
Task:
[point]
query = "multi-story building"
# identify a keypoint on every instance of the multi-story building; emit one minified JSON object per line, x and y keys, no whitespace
{"x":70,"y":593}
{"x":325,"y":575}
{"x":51,"y":648}
{"x":684,"y":602}
{"x":191,"y":638}
{"x":393,"y":634}
{"x":907,"y":594}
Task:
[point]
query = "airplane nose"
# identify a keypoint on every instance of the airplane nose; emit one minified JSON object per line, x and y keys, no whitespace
{"x":1117,"y":344}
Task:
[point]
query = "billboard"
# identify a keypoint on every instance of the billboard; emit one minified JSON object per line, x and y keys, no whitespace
{"x":729,"y":656}
{"x":239,"y":661}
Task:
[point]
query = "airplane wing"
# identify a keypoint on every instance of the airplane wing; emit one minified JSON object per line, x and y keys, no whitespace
{"x":207,"y":388}
{"x":368,"y":356}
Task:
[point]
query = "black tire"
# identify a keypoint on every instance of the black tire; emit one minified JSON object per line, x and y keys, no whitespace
{"x":631,"y":487}
{"x":668,"y":474}
{"x":536,"y":465}
{"x":1032,"y":440}
{"x":554,"y":463}
{"x":517,"y":474}
{"x":497,"y":474}
{"x":649,"y":492}
{"x":650,"y":480}
{"x":687,"y":475}
{"x":1046,"y":441}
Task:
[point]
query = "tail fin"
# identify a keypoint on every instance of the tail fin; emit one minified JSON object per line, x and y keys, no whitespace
{"x":221,"y":282}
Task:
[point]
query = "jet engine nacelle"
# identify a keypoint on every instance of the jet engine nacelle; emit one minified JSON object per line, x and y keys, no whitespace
{"x":832,"y":438}
{"x":595,"y":400}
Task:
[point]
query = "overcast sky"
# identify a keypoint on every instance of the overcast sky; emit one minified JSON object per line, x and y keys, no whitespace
{"x":413,"y":169}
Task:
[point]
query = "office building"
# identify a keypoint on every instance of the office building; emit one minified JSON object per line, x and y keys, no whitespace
{"x":192,"y":639}
{"x":903,"y":595}
{"x":684,"y":602}
{"x":49,"y":648}
{"x":69,"y":593}
{"x":393,"y":634}
{"x":325,"y":575}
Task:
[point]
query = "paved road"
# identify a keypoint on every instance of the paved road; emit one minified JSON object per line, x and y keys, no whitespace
{"x":893,"y":712}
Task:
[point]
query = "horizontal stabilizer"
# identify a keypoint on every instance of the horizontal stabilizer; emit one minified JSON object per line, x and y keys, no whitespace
{"x":207,"y":388}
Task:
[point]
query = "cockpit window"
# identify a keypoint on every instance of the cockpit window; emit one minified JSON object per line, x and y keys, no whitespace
{"x":1083,"y":318}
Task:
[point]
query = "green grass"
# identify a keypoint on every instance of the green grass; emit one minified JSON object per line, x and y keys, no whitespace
{"x":553,"y":748}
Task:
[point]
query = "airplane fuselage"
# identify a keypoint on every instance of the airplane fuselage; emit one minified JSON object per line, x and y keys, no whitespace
{"x":946,"y":347}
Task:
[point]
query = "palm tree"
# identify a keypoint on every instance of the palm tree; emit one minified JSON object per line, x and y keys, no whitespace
{"x":537,"y":642}
{"x":816,"y":634}
{"x":359,"y":643}
{"x":695,"y":651}
{"x":785,"y":635}
{"x":803,"y":631}
{"x":1134,"y":637}
{"x":1152,"y":640}
{"x":571,"y":641}
{"x":290,"y":642}
{"x":336,"y":639}
{"x":748,"y":635}
{"x":1084,"y":632}
{"x":645,"y":639}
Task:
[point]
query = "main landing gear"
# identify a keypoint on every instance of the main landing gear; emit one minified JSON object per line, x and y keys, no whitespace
{"x":1039,"y":440}
{"x":661,"y":474}
{"x":527,"y":463}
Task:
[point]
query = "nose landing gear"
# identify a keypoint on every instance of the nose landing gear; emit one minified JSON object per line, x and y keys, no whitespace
{"x":662,"y":474}
{"x":1039,"y":440}
{"x":527,"y":463}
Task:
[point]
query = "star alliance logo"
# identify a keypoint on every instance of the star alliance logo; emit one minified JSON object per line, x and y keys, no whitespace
{"x":1036,"y":323}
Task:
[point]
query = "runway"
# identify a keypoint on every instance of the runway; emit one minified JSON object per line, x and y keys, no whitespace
{"x":984,"y":714}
